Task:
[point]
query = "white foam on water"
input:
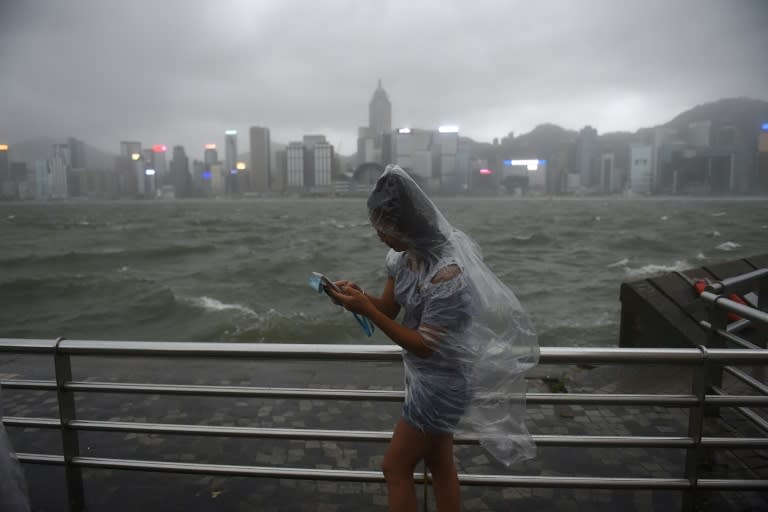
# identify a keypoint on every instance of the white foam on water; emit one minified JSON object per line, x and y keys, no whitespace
{"x":664,"y":217}
{"x":728,"y":246}
{"x":620,"y":263}
{"x":336,"y":224}
{"x":700,"y":256}
{"x":653,"y":268}
{"x":718,"y":214}
{"x":211,"y":304}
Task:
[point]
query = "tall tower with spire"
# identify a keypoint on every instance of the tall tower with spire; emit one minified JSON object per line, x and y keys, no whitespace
{"x":379,"y":113}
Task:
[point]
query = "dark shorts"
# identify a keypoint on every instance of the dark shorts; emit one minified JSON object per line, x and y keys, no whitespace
{"x":434,"y":413}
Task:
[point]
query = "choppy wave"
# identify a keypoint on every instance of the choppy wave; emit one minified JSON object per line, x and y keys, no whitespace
{"x":652,"y":269}
{"x":620,"y":263}
{"x":210,"y":304}
{"x":635,"y":241}
{"x":536,"y":238}
{"x":86,"y":256}
{"x":728,"y":246}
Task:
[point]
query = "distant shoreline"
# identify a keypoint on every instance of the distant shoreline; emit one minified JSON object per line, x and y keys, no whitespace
{"x":350,"y":197}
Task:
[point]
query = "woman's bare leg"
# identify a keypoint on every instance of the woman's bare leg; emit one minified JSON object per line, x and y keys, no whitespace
{"x":407,"y":447}
{"x":445,"y":481}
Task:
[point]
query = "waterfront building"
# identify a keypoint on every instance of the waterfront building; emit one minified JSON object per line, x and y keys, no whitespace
{"x":446,"y":142}
{"x":762,"y":160}
{"x":210,"y":156}
{"x":230,"y":149}
{"x":322,"y":154}
{"x":261,"y":159}
{"x":379,"y":113}
{"x":219,"y":178}
{"x":6,"y":184}
{"x":77,"y":153}
{"x":640,"y":167}
{"x":370,"y":139}
{"x":42,"y":180}
{"x":587,"y":158}
{"x":281,"y":171}
{"x":295,"y":165}
{"x":159,"y":163}
{"x":59,"y":166}
{"x":179,"y":174}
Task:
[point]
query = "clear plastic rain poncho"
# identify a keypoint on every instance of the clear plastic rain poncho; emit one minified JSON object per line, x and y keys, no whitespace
{"x":482,"y":341}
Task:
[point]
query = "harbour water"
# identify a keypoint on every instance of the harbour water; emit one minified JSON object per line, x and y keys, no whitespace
{"x":238,"y":270}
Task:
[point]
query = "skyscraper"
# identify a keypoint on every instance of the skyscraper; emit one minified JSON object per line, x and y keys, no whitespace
{"x":261,"y":159}
{"x":127,"y":148}
{"x":5,"y":164}
{"x":132,"y":150}
{"x":180,"y":178}
{"x":59,"y":166}
{"x":159,"y":163}
{"x":322,"y":154}
{"x":77,"y":152}
{"x":211,"y":156}
{"x":230,"y":150}
{"x":295,"y":165}
{"x":587,"y":157}
{"x":379,"y":113}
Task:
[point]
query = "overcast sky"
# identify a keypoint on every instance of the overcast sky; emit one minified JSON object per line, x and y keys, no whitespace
{"x":182,"y":72}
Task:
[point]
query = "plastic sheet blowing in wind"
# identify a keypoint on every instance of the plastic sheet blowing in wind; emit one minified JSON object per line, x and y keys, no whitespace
{"x":481,"y":339}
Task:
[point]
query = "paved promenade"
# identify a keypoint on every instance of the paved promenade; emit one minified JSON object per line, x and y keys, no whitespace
{"x":116,"y":491}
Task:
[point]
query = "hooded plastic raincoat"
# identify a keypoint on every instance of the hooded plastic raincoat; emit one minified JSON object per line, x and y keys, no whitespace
{"x":481,"y":339}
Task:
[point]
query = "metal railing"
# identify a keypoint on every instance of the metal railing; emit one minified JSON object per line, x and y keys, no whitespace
{"x":706,"y":364}
{"x":724,"y":331}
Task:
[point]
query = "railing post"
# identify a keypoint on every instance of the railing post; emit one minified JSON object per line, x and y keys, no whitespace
{"x":718,"y":320}
{"x":762,"y":305}
{"x":70,"y":443}
{"x":695,"y":453}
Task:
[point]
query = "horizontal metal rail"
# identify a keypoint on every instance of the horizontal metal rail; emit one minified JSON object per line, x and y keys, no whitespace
{"x":376,"y":476}
{"x":287,"y":351}
{"x":389,"y":395}
{"x":338,"y":435}
{"x":372,"y":436}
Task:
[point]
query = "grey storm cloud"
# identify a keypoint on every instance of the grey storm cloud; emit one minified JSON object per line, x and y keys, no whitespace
{"x":181,"y":72}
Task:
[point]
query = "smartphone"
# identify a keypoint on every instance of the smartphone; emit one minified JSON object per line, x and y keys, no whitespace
{"x":325,"y":283}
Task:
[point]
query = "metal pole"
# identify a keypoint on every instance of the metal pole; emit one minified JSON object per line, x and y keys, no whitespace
{"x":762,"y":305}
{"x":694,"y":454}
{"x":718,"y":320}
{"x":70,"y":444}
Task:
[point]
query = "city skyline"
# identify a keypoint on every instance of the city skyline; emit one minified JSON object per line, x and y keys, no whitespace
{"x":544,"y":64}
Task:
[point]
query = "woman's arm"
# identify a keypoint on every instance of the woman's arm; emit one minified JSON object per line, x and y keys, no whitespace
{"x":410,"y":339}
{"x":386,"y":303}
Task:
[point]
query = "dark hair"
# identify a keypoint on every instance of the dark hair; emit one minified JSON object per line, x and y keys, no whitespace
{"x":405,"y":207}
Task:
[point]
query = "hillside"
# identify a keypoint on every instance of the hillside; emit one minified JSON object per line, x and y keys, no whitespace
{"x":39,"y":148}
